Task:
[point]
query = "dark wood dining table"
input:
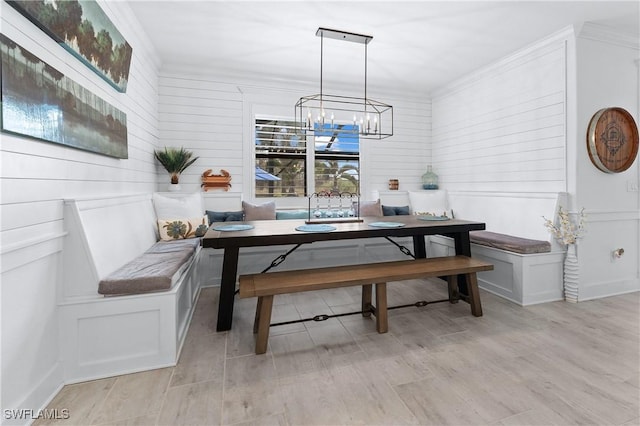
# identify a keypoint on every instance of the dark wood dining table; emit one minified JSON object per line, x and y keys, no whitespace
{"x":283,"y":232}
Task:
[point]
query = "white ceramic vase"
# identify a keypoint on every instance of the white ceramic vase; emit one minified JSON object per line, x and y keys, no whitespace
{"x":571,"y":274}
{"x":174,"y":187}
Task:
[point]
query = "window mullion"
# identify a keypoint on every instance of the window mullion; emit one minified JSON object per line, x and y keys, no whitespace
{"x":311,"y":167}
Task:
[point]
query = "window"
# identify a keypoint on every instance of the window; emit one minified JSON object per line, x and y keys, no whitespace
{"x":284,"y":160}
{"x":281,"y":158}
{"x":337,"y":159}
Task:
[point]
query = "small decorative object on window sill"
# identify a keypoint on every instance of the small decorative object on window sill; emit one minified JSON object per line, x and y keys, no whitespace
{"x":429,"y":179}
{"x":567,"y":232}
{"x":394,"y":184}
{"x":211,"y":181}
{"x":333,"y":207}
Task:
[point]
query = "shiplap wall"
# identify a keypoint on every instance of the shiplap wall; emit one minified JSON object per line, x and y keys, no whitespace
{"x":35,"y":177}
{"x":214,"y":118}
{"x":517,"y":128}
{"x":503,"y":128}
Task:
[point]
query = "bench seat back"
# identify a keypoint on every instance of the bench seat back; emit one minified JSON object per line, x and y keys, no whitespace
{"x":103,"y":234}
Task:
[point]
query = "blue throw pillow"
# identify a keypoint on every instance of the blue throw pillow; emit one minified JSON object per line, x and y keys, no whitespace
{"x":402,"y":210}
{"x":388,"y":211}
{"x":225,"y":216}
{"x":291,"y":214}
{"x":395,"y":210}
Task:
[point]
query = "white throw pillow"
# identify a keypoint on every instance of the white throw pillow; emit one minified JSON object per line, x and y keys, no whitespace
{"x":266,"y":211}
{"x":177,"y":229}
{"x":434,"y":203}
{"x":190,"y":205}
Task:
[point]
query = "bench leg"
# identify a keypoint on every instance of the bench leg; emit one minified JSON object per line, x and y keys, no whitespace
{"x":474,"y":295}
{"x":263,"y":323}
{"x":257,"y":318}
{"x":454,"y":295}
{"x":366,"y":300}
{"x":382,"y":323}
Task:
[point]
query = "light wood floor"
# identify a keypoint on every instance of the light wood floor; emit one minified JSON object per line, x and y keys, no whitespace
{"x":551,"y":364}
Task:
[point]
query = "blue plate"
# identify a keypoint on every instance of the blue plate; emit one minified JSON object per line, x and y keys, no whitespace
{"x":237,"y":227}
{"x":433,"y":218}
{"x":316,"y":228}
{"x":387,"y":224}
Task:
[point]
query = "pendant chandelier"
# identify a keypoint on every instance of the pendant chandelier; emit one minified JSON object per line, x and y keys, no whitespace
{"x":322,"y":113}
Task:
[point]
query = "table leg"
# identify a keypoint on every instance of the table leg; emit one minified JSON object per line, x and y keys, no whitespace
{"x":419,"y":248}
{"x":227,"y":288}
{"x":463,"y":247}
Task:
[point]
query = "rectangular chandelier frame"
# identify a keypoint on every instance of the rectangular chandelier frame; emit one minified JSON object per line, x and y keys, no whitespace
{"x":371,"y":119}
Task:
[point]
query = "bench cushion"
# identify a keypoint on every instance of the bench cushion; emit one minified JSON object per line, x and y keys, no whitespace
{"x":189,"y":244}
{"x":151,"y":271}
{"x":509,"y":242}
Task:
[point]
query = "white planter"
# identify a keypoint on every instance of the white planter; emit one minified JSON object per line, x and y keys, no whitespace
{"x":174,"y":187}
{"x":571,"y":274}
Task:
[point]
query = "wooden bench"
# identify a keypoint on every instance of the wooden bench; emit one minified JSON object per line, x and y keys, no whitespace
{"x":265,"y":286}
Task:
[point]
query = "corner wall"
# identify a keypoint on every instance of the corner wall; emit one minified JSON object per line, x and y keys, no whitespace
{"x":607,"y":76}
{"x":519,"y":126}
{"x":35,"y":177}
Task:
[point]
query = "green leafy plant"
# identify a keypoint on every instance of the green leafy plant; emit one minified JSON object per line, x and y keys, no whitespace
{"x":175,"y":161}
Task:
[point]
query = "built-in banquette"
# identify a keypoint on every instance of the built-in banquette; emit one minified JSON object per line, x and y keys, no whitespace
{"x":127,"y":298}
{"x":113,"y":321}
{"x":528,"y":263}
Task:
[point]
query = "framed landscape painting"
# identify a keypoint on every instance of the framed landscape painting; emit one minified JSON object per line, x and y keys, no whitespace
{"x":83,"y":29}
{"x":40,"y":102}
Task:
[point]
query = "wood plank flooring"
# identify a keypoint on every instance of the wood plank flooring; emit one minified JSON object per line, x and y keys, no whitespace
{"x":551,"y":364}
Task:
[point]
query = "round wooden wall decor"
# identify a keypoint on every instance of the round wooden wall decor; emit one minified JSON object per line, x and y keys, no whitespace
{"x":612,"y":140}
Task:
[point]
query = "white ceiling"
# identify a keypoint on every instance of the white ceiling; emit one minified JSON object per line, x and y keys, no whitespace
{"x":417,"y":45}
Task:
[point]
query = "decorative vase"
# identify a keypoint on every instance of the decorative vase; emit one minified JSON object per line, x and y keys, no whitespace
{"x":174,"y":187}
{"x":571,"y":274}
{"x":429,"y":179}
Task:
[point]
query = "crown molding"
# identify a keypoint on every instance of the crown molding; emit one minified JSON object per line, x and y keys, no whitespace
{"x":609,"y":35}
{"x":551,"y":41}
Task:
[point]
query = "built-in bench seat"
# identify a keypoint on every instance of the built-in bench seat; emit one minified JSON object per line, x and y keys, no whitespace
{"x":126,"y":299}
{"x":525,"y":272}
{"x":509,"y":242}
{"x":157,"y":269}
{"x":528,"y":263}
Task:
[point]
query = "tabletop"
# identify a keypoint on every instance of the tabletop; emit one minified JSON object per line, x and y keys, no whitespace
{"x":281,"y":232}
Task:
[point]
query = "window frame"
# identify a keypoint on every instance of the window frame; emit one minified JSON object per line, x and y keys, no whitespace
{"x":299,"y":201}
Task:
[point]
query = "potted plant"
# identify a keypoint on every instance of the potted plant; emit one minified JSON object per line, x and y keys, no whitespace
{"x":175,"y":161}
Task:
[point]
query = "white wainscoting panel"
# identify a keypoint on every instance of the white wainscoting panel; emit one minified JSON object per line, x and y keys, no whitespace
{"x":601,"y":273}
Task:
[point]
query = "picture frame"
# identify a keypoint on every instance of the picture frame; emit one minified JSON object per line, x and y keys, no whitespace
{"x":83,"y":29}
{"x":40,"y":102}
